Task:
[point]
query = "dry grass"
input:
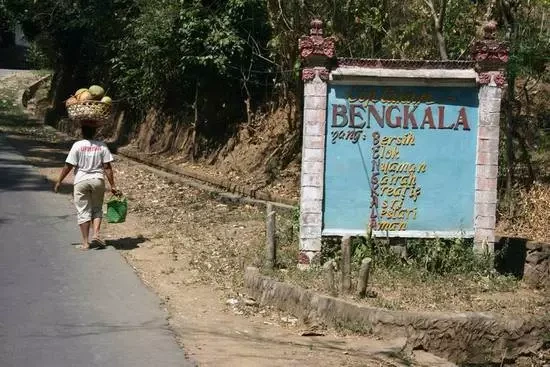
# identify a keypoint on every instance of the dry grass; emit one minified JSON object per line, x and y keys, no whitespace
{"x":531,"y":218}
{"x":412,"y":290}
{"x":470,"y":286}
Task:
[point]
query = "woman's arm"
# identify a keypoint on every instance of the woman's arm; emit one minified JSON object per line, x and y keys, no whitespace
{"x":64,"y":172}
{"x":110,"y":176}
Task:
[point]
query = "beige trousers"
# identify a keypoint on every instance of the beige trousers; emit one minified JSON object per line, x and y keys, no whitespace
{"x":88,"y":199}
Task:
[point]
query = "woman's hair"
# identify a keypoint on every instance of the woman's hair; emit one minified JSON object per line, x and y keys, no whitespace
{"x":88,"y":132}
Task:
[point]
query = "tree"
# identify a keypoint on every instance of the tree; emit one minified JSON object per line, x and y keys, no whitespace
{"x":527,"y":31}
{"x":438,"y":16}
{"x":210,"y":64}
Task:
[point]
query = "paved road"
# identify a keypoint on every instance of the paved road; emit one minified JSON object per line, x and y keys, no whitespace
{"x":60,"y":306}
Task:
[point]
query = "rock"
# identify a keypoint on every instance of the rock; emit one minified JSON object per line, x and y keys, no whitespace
{"x":523,"y":362}
{"x":232,"y":302}
{"x":537,"y":257}
{"x":371,"y":294}
{"x":536,"y":271}
{"x":532,"y":245}
{"x":399,"y":250}
{"x":289,"y":320}
{"x":250,"y":302}
{"x":312,"y":333}
{"x":537,"y":275}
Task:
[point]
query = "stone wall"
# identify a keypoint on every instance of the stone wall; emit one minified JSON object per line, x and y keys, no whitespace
{"x":463,"y":338}
{"x":537,"y":264}
{"x":529,"y":260}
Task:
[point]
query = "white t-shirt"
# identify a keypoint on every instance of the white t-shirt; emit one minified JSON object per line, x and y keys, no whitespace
{"x":88,"y":157}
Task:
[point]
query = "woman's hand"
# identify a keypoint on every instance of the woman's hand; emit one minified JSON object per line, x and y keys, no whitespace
{"x":64,"y":172}
{"x":115,"y":191}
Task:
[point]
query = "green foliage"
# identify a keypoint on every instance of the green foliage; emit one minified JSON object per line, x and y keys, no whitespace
{"x":529,"y":37}
{"x":177,"y":51}
{"x":10,"y":11}
{"x":199,"y":60}
{"x":36,"y":58}
{"x":183,"y":57}
{"x":296,"y":219}
{"x":429,"y":256}
{"x":448,"y":256}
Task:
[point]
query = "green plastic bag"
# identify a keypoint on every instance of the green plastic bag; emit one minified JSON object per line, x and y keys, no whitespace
{"x":117,"y":207}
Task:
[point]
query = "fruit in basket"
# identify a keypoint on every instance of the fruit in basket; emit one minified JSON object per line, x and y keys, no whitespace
{"x":71,"y":100}
{"x":107,"y":100}
{"x":81,"y":90}
{"x":97,"y":92}
{"x":85,"y":96}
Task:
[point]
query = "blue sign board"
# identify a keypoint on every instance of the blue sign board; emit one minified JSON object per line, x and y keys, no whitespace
{"x":401,"y":160}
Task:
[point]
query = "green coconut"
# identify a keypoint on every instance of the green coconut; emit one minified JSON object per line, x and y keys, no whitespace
{"x":107,"y":100}
{"x":96,"y":91}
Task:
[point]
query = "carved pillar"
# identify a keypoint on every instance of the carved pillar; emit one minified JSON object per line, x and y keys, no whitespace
{"x":315,"y":51}
{"x":491,"y":57}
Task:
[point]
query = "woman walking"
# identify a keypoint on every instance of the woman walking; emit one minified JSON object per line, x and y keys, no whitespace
{"x":91,"y":160}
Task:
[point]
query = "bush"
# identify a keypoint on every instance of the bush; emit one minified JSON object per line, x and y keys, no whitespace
{"x":427,"y":256}
{"x":36,"y":57}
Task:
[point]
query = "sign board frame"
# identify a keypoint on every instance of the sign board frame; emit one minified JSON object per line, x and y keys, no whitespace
{"x":324,"y":74}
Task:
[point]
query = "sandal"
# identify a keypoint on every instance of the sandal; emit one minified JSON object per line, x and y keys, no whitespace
{"x":82,"y":247}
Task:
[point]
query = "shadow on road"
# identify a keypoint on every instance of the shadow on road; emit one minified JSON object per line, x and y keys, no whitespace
{"x":126,"y":243}
{"x":31,"y":151}
{"x":21,"y":177}
{"x":41,"y":153}
{"x":19,"y":174}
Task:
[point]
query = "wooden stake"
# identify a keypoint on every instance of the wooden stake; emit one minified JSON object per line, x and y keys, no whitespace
{"x":329,"y":277}
{"x":346,"y":264}
{"x":364,"y":277}
{"x":271,"y":245}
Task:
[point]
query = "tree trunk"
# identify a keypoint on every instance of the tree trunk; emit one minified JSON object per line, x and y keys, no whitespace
{"x":525,"y":157}
{"x":439,"y":22}
{"x":441,"y":45}
{"x":508,"y":19}
{"x":195,"y":124}
{"x":510,"y":156}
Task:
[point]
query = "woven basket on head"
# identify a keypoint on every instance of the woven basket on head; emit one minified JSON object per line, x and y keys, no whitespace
{"x":89,"y":110}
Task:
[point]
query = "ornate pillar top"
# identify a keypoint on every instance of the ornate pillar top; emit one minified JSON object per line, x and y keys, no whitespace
{"x":491,"y":56}
{"x":489,"y":53}
{"x":316,"y":49}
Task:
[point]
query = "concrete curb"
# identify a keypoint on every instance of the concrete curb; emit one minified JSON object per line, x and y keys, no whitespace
{"x":220,"y":194}
{"x":459,"y":337}
{"x":222,"y":183}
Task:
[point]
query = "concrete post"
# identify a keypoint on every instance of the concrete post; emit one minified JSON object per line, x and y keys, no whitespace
{"x":271,"y":235}
{"x":491,"y":57}
{"x":315,"y":51}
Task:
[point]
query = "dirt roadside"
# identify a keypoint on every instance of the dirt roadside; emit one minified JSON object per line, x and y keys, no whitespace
{"x":185,"y":246}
